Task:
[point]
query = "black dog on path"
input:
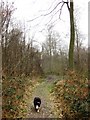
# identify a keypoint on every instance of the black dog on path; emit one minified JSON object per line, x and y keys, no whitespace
{"x":37,"y":103}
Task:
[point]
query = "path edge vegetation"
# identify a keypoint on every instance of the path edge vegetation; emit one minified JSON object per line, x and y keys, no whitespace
{"x":72,"y":96}
{"x":16,"y":92}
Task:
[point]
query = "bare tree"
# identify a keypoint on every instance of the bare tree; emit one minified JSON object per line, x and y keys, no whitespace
{"x":80,"y":51}
{"x":53,"y":53}
{"x":6,"y":11}
{"x":57,"y":9}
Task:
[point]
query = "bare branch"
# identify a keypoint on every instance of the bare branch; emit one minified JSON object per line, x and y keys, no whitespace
{"x":68,"y":5}
{"x":47,"y":13}
{"x":52,"y":17}
{"x":49,"y":7}
{"x":53,"y":9}
{"x":61,"y":9}
{"x":34,"y":18}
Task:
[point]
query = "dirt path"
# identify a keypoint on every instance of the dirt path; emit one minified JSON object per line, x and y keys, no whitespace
{"x":47,"y":107}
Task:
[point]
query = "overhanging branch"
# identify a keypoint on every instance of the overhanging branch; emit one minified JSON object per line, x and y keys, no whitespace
{"x":61,"y":7}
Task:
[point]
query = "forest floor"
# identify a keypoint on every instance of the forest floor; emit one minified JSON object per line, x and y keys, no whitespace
{"x":43,"y":90}
{"x":19,"y":95}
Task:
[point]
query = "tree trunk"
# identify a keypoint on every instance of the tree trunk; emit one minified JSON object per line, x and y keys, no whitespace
{"x":72,"y":37}
{"x":78,"y":51}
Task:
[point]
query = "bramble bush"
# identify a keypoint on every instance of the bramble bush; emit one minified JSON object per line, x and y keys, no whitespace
{"x":13,"y":100}
{"x":73,"y":94}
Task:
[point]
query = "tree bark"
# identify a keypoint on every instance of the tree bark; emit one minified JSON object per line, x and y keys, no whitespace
{"x":72,"y":37}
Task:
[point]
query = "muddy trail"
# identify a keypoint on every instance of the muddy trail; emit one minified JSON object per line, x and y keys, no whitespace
{"x":43,"y":90}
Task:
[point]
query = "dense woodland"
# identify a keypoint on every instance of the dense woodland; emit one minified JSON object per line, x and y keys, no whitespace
{"x":22,"y":60}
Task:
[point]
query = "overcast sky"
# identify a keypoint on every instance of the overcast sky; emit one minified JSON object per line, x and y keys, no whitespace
{"x":29,"y":9}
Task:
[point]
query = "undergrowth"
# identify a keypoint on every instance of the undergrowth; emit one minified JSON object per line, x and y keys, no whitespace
{"x":72,"y":96}
{"x":14,"y":104}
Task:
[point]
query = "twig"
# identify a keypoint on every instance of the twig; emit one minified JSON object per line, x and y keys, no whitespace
{"x":61,"y":9}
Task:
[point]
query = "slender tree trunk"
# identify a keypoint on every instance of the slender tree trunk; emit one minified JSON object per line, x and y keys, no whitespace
{"x":50,"y":53}
{"x":78,"y":51}
{"x":72,"y":37}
